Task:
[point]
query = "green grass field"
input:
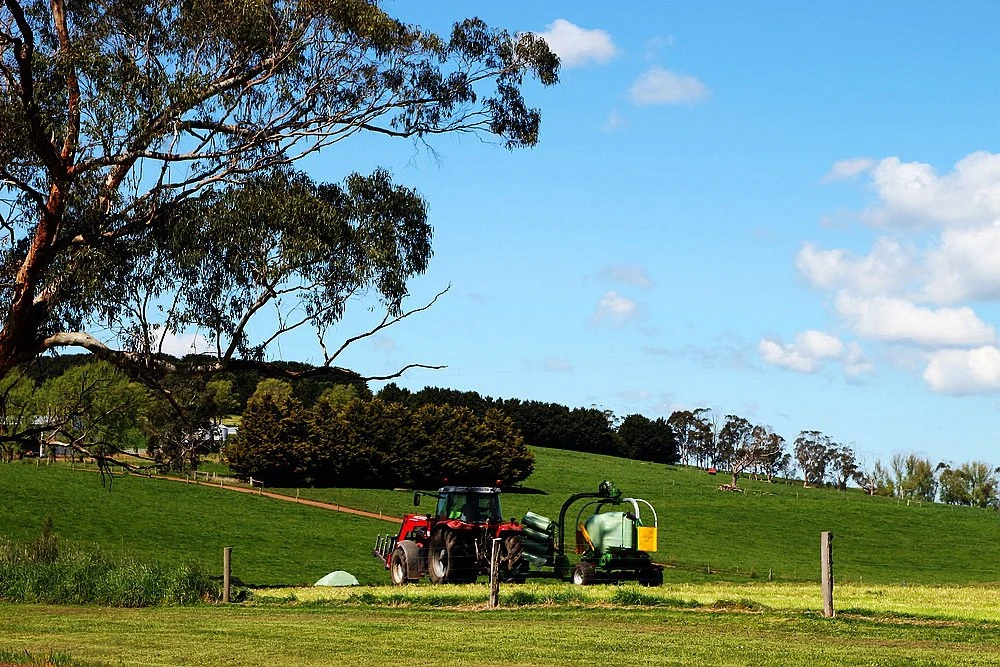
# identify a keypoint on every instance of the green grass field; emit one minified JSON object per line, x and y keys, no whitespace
{"x":907,"y":591}
{"x":544,"y":635}
{"x":770,"y":529}
{"x":273,"y":542}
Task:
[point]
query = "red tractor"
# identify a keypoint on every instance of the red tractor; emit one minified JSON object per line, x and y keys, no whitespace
{"x":453,"y":545}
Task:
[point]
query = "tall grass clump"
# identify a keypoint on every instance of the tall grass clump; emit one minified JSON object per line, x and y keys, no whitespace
{"x":42,"y":571}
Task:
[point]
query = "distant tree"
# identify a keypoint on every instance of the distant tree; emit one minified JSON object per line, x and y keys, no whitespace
{"x":772,"y":459}
{"x":812,"y":452}
{"x":273,"y":443}
{"x":95,"y":409}
{"x":843,"y":464}
{"x":648,"y":440}
{"x":874,"y":479}
{"x":919,"y":481}
{"x":687,"y":428}
{"x":953,"y":486}
{"x":747,"y":446}
{"x":982,"y":483}
{"x":974,"y":483}
{"x":393,"y":393}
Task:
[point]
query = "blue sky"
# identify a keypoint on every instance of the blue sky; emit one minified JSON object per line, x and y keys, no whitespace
{"x":788,"y":211}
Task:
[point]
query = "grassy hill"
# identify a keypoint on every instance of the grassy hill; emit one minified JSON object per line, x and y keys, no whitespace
{"x":274,"y":543}
{"x":770,"y":528}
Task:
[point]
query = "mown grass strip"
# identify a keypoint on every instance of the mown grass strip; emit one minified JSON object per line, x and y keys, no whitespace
{"x":516,"y":637}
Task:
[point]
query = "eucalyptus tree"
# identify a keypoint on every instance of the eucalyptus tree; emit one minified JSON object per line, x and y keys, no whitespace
{"x":148,"y":167}
{"x":812,"y":453}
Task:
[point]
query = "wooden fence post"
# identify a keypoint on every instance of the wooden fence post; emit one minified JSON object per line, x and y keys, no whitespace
{"x":227,"y":563}
{"x":826,"y":557}
{"x":495,"y":574}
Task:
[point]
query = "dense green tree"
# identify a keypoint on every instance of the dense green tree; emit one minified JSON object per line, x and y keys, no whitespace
{"x":375,"y":444}
{"x":648,"y":440}
{"x":147,"y":155}
{"x":273,"y":443}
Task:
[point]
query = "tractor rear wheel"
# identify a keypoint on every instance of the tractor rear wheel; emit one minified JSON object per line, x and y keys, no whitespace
{"x":514,"y":555}
{"x":397,"y":567}
{"x":450,"y":559}
{"x":584,"y":574}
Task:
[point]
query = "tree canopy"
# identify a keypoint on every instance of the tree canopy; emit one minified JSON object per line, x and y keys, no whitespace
{"x":147,"y":154}
{"x":149,"y":180}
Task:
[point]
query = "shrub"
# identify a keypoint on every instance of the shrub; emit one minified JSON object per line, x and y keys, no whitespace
{"x":34,"y":572}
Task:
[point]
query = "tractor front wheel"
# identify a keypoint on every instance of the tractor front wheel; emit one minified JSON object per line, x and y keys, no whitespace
{"x":397,"y":567}
{"x":584,"y":574}
{"x":449,"y":561}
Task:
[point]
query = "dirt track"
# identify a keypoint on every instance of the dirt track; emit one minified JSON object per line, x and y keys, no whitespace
{"x":278,"y":496}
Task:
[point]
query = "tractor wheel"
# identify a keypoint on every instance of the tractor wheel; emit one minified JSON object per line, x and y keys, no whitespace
{"x":513,"y":554}
{"x":397,"y":567}
{"x":584,"y":574}
{"x":651,"y":576}
{"x":449,"y":561}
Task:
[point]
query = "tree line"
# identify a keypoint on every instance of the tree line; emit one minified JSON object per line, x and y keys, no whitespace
{"x":343,"y":440}
{"x":317,"y":432}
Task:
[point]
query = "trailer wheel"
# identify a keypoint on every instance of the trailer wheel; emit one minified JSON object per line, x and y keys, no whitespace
{"x":651,"y":576}
{"x":397,"y":567}
{"x":584,"y":574}
{"x":449,"y":560}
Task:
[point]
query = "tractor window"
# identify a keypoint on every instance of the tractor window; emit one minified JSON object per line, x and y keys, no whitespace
{"x":471,"y":507}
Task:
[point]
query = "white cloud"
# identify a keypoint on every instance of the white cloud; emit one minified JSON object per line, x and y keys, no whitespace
{"x":900,"y":321}
{"x":578,"y":46}
{"x":629,"y":274}
{"x":856,"y":362}
{"x":848,"y":169}
{"x":615,"y":308}
{"x":662,"y":86}
{"x":965,"y":266}
{"x":964,"y":372}
{"x":888,"y":267}
{"x":806,"y":355}
{"x":180,"y":344}
{"x":912,"y":195}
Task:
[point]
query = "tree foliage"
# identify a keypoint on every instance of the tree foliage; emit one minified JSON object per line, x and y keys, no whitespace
{"x":812,"y":452}
{"x":648,"y":439}
{"x":147,"y":154}
{"x":343,"y":441}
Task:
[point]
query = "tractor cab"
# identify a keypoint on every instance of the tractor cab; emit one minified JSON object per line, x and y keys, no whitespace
{"x":470,"y":504}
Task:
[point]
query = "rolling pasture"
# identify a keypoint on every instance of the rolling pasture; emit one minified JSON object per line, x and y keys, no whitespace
{"x":912,"y":579}
{"x":769,"y":531}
